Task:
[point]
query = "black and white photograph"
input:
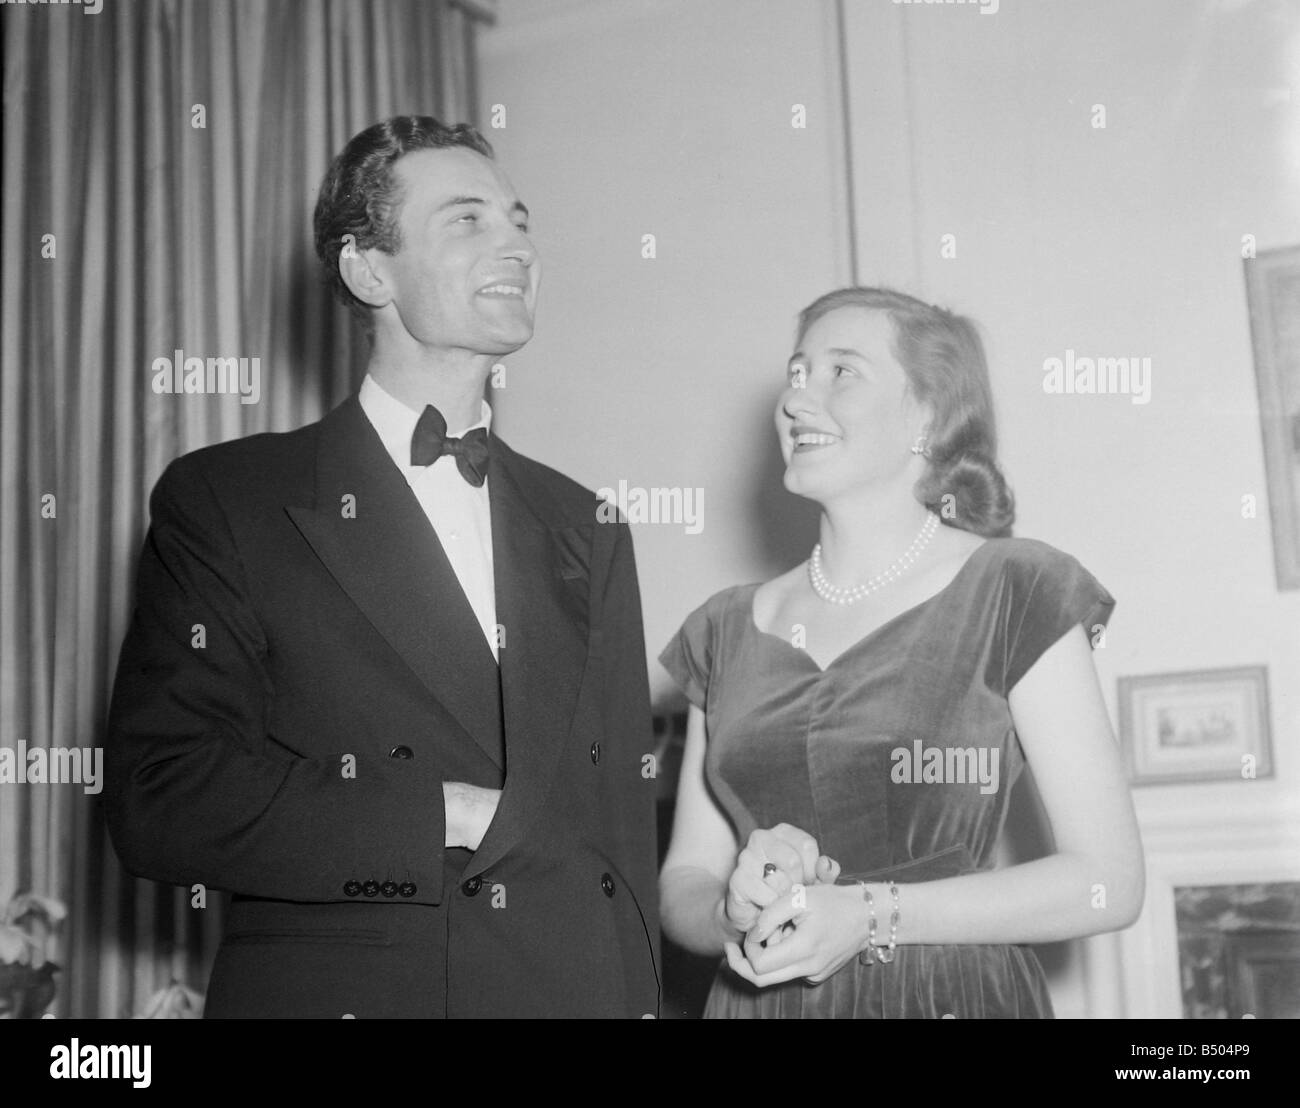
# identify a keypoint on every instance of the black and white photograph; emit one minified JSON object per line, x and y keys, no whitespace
{"x":651,"y":509}
{"x":1196,"y":726}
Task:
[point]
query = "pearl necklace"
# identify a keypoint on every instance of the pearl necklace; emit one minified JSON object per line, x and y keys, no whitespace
{"x":833,"y":595}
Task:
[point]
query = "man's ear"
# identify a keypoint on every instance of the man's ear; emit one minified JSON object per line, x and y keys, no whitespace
{"x":364,"y":273}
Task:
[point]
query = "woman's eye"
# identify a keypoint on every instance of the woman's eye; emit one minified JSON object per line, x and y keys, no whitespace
{"x":471,"y":216}
{"x":842,"y":370}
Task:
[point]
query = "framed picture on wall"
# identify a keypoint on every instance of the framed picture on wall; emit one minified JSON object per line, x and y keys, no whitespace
{"x":1273,"y":293}
{"x":1205,"y":725}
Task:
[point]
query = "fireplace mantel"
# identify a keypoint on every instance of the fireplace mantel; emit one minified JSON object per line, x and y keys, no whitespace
{"x":1206,"y":843}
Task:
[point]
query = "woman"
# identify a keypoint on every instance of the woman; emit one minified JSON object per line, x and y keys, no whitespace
{"x":857,"y":724}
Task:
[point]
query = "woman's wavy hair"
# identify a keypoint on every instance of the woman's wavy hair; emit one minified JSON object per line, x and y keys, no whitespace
{"x":943,"y":357}
{"x":360,"y":195}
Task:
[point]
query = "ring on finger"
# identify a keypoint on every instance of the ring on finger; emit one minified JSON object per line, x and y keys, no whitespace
{"x":768,"y":869}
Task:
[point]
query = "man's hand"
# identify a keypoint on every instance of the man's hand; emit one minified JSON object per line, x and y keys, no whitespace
{"x":469,"y":809}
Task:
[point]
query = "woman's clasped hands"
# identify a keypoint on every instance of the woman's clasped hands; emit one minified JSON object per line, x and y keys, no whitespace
{"x":795,"y":921}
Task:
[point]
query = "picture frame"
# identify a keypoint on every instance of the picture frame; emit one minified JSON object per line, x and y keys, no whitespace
{"x":1198,"y":725}
{"x":1273,"y":297}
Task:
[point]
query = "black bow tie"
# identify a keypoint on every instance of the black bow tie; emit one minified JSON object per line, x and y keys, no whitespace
{"x":430,"y":442}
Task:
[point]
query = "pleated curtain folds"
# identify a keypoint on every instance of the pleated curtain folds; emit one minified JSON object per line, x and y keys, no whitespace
{"x":161,"y":161}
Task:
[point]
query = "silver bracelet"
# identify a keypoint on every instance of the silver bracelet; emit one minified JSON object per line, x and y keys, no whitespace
{"x":885,"y":952}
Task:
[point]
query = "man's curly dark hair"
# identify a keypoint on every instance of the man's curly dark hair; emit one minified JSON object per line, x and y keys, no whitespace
{"x":360,"y":194}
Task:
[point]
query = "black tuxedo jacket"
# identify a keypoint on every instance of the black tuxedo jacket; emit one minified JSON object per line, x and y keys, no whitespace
{"x":303,"y":672}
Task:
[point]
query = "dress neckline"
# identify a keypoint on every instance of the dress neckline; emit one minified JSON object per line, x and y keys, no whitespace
{"x":906,"y":613}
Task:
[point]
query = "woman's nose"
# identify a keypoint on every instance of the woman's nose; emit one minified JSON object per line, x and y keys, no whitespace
{"x":797,"y":401}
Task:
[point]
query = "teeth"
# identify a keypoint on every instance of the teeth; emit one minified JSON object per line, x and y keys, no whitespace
{"x":813,"y":438}
{"x":506,"y":290}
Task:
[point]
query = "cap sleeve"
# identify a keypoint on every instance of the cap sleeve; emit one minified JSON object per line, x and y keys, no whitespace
{"x":1049,"y":593}
{"x":689,"y":655}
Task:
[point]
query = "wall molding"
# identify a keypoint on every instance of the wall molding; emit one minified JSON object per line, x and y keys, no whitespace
{"x":1260,"y":845}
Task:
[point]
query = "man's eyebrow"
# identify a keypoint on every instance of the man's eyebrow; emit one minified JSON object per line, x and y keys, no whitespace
{"x":461,"y":201}
{"x":458,"y":201}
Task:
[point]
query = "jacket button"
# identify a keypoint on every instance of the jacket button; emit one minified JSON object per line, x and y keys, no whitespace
{"x":472,"y":886}
{"x":370,"y":888}
{"x":406,"y":889}
{"x":607,"y":883}
{"x":595,"y":753}
{"x":352,"y":888}
{"x":388,"y":888}
{"x":403,"y":752}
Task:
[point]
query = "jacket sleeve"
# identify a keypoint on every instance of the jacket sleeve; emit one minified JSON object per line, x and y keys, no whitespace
{"x":196,"y":790}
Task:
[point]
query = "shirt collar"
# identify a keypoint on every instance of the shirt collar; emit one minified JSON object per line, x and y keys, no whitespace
{"x":395,"y":422}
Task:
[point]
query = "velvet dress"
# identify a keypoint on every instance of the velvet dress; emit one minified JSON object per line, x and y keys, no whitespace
{"x":898,"y":758}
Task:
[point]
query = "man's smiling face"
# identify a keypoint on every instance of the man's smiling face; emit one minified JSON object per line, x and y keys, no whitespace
{"x":466,"y":275}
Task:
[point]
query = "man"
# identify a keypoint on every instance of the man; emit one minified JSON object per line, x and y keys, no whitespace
{"x":386,"y":679}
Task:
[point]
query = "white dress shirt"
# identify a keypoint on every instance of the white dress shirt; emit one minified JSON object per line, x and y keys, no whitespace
{"x":459,"y":512}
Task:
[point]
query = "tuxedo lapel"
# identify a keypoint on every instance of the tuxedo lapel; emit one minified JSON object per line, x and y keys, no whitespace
{"x":381,"y":549}
{"x":542,"y":570}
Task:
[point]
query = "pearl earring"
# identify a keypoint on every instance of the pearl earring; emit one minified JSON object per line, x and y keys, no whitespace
{"x":921,"y":447}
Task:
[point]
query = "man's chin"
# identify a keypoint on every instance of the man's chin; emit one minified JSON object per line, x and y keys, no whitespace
{"x":506,"y":340}
{"x":501,"y":347}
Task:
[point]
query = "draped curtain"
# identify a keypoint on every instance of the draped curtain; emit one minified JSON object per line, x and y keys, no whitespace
{"x":161,"y":160}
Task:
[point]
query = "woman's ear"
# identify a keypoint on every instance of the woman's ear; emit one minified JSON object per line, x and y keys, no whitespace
{"x":923,"y":420}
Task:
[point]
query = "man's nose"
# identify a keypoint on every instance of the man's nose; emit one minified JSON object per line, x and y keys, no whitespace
{"x":519,"y":247}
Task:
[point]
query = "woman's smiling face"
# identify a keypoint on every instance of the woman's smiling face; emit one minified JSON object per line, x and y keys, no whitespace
{"x":848,"y":419}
